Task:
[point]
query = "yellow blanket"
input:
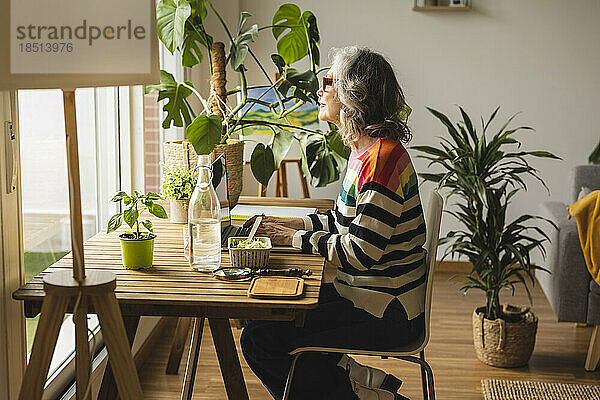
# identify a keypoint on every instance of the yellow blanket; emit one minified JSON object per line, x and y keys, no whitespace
{"x":587,"y":214}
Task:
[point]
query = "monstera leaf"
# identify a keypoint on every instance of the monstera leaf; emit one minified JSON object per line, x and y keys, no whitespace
{"x":319,"y":161}
{"x":340,"y":151}
{"x":282,"y":141}
{"x":294,"y":30}
{"x":191,"y":52}
{"x":177,"y":108}
{"x":171,"y":16}
{"x":239,"y":46}
{"x":303,"y":85}
{"x":204,"y":133}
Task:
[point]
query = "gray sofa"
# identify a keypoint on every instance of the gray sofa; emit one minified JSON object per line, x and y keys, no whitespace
{"x":573,"y":295}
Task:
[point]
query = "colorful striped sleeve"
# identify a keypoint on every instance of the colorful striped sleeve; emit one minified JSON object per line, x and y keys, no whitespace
{"x":369,"y":232}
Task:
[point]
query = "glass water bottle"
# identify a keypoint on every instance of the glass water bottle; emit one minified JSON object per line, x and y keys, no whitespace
{"x":205,"y":221}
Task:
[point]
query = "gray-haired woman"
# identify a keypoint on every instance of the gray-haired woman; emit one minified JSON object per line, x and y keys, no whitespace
{"x":375,"y":237}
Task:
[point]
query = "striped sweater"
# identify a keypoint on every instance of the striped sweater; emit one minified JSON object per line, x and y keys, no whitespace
{"x":375,"y":233}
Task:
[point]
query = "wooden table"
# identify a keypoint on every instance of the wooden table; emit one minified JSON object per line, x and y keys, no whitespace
{"x":170,"y":288}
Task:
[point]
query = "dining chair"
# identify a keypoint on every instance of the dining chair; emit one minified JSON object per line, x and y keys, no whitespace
{"x":409,"y":351}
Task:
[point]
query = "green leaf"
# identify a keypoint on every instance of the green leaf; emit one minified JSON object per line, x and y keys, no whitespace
{"x":205,"y":133}
{"x":281,"y":143}
{"x":130,"y":216}
{"x":148,"y":225}
{"x":170,"y":18}
{"x":335,"y":143}
{"x":114,"y":223}
{"x":293,"y":45}
{"x":544,"y":154}
{"x":191,"y":53}
{"x":314,"y":38}
{"x":199,"y":9}
{"x":305,"y":85}
{"x":158,"y":211}
{"x":218,"y":169}
{"x":320,"y":161}
{"x":262,"y":163}
{"x":239,"y":47}
{"x":595,"y":156}
{"x":119,"y":196}
{"x":405,"y":112}
{"x":177,"y":108}
{"x":279,"y":62}
{"x":153,"y":196}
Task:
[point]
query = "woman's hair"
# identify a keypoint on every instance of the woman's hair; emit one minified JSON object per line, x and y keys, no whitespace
{"x":370,"y":95}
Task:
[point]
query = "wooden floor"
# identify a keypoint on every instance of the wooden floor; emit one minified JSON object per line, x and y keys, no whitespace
{"x":559,"y":354}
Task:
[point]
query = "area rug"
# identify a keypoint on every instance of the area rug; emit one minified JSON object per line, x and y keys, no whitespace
{"x":495,"y":389}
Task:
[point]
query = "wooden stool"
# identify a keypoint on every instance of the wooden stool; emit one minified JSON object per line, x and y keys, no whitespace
{"x":281,"y":184}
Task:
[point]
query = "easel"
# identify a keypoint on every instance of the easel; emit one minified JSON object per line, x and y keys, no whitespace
{"x":96,"y":288}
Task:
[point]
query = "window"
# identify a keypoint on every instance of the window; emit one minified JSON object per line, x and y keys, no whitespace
{"x":44,"y":183}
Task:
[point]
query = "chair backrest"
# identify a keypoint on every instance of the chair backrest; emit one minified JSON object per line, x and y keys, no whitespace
{"x":432,"y":223}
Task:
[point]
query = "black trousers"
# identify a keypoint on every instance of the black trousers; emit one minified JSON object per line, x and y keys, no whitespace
{"x":334,"y":323}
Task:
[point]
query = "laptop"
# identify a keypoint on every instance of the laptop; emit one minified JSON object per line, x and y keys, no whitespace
{"x":219,"y":182}
{"x":227,"y":228}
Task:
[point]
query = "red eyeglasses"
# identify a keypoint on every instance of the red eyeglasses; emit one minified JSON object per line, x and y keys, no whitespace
{"x":327,"y":81}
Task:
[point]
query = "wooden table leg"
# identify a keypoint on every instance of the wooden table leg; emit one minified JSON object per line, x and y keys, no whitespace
{"x":179,"y":338}
{"x":108,"y":388}
{"x":228,"y":359}
{"x":192,"y":361}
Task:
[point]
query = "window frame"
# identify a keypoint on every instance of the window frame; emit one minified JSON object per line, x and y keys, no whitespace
{"x":12,"y":320}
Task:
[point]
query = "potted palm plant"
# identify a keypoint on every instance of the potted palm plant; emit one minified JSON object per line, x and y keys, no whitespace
{"x":178,"y":185}
{"x":482,"y":174}
{"x":594,"y":158}
{"x":137,"y":247}
{"x":181,"y":27}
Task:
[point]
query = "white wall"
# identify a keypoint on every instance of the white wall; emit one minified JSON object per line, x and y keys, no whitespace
{"x":539,"y":57}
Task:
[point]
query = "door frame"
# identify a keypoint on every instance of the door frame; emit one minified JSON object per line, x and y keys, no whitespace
{"x":12,"y":321}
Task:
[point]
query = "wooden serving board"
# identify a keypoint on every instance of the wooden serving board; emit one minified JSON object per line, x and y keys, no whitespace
{"x":276,"y":287}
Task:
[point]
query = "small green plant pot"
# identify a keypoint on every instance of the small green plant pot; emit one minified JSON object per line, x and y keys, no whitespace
{"x":137,"y":254}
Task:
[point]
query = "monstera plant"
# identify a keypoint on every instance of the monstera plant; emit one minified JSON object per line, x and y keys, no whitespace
{"x":181,"y":28}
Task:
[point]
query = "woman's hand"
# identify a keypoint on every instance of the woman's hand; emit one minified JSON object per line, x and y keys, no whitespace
{"x":294,"y":223}
{"x":279,"y":234}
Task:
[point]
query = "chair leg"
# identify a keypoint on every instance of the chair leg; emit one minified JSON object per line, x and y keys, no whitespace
{"x":430,"y":384}
{"x":288,"y":381}
{"x":426,"y":374}
{"x":424,"y":377}
{"x":593,"y":354}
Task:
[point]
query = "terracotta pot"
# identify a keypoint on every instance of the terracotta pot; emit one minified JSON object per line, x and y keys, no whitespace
{"x":179,"y":211}
{"x":505,"y":344}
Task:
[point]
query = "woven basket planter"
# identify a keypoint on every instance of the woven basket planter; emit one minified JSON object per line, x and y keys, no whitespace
{"x":182,"y":153}
{"x":234,"y":164}
{"x":504,"y":344}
